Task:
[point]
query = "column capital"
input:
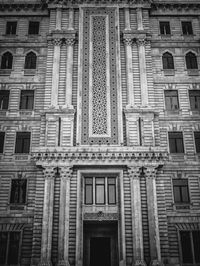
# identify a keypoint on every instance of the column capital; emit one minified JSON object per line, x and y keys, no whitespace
{"x":128,"y":41}
{"x":49,"y":172}
{"x":139,"y":263}
{"x":156,"y":263}
{"x":69,"y":41}
{"x":134,"y":171}
{"x":65,"y":172}
{"x":142,"y":41}
{"x":150,"y":171}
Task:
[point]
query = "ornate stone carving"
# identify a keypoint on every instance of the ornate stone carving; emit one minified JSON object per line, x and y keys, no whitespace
{"x":156,"y":263}
{"x":128,"y":41}
{"x":65,"y":172}
{"x":49,"y":172}
{"x":134,"y":171}
{"x":69,"y":41}
{"x":139,"y":263}
{"x":142,"y":41}
{"x":100,"y":216}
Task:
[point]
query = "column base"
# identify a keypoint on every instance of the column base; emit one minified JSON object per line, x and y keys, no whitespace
{"x":139,"y":263}
{"x":63,"y":263}
{"x":156,"y":263}
{"x":45,"y":263}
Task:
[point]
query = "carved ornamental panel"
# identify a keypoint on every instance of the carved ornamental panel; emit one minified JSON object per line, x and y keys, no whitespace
{"x":99,"y":77}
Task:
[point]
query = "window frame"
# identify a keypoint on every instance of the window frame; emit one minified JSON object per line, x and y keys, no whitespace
{"x":3,"y":135}
{"x":197,"y":148}
{"x":29,"y":27}
{"x":180,"y":191}
{"x":4,"y":96}
{"x":22,"y":152}
{"x":187,"y":22}
{"x":197,"y":97}
{"x":26,"y":64}
{"x":191,"y":62}
{"x":8,"y":246}
{"x":23,"y":203}
{"x":32,"y":97}
{"x":162,"y":25}
{"x":183,"y":146}
{"x":166,"y":63}
{"x":6,"y":31}
{"x":2,"y":58}
{"x":171,"y":97}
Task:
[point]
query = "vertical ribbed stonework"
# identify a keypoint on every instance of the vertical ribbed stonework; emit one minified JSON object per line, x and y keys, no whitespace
{"x":99,"y":85}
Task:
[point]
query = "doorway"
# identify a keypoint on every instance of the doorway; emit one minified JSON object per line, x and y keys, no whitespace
{"x":100,"y":245}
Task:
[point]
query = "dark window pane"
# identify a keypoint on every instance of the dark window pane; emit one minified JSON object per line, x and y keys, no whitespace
{"x":27,"y":99}
{"x":197,"y":141}
{"x":179,"y":145}
{"x":11,"y":27}
{"x":164,"y":28}
{"x":186,"y":247}
{"x":191,"y":61}
{"x":30,"y":61}
{"x":111,"y":194}
{"x":22,"y":142}
{"x":100,"y":190}
{"x":176,"y":142}
{"x":13,"y":252}
{"x":171,"y":100}
{"x":2,"y":138}
{"x":168,"y":61}
{"x":187,"y":27}
{"x":4,"y":99}
{"x":177,"y":194}
{"x":185,"y":196}
{"x":3,"y":246}
{"x":181,"y":192}
{"x":196,"y":244}
{"x":18,"y":191}
{"x":6,"y":61}
{"x":194,"y":99}
{"x":33,"y":27}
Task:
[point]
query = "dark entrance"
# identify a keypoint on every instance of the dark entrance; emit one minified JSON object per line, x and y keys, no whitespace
{"x":100,"y":244}
{"x":100,"y":251}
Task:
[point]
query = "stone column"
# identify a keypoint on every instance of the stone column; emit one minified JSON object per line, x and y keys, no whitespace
{"x":138,"y":252}
{"x":47,"y":221}
{"x":55,"y":72}
{"x":139,"y":19}
{"x":154,"y":237}
{"x":143,"y":72}
{"x":63,"y":238}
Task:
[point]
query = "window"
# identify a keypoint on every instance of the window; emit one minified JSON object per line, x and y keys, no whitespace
{"x":30,"y":61}
{"x":191,"y":61}
{"x":168,"y":61}
{"x":100,"y":190}
{"x":6,"y":61}
{"x":2,"y":138}
{"x":197,"y":141}
{"x":33,"y":27}
{"x":27,"y":99}
{"x":187,"y":28}
{"x":4,"y":99}
{"x":18,"y":191}
{"x":22,"y":144}
{"x":165,"y":28}
{"x":171,"y":99}
{"x":176,"y":142}
{"x":194,"y":96}
{"x":190,"y":246}
{"x":9,"y":248}
{"x":11,"y":27}
{"x":181,"y":193}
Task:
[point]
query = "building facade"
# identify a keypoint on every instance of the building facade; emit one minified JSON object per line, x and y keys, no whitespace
{"x":99,"y":132}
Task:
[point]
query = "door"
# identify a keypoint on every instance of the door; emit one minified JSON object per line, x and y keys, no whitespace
{"x":100,"y":251}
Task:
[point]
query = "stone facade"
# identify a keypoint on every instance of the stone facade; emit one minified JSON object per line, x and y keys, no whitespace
{"x":100,"y":135}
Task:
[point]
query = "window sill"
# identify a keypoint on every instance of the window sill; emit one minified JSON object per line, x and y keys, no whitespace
{"x":165,"y":36}
{"x":177,"y":156}
{"x":21,"y":157}
{"x":26,"y":113}
{"x":195,"y":112}
{"x":173,"y":112}
{"x":5,"y":72}
{"x":100,"y":208}
{"x":169,"y":72}
{"x":192,"y":72}
{"x":182,"y":206}
{"x":29,"y":72}
{"x":17,"y":207}
{"x":3,"y":112}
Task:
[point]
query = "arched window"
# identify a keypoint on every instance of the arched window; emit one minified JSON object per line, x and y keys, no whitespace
{"x":30,"y":61}
{"x":191,"y":61}
{"x":168,"y":61}
{"x":6,"y":61}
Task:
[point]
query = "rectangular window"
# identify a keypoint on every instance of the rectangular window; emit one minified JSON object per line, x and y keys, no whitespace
{"x":11,"y":27}
{"x":22,"y":144}
{"x":100,"y":190}
{"x":2,"y":138}
{"x":18,"y":191}
{"x":190,"y":246}
{"x":197,"y":141}
{"x":187,"y":27}
{"x":181,"y":191}
{"x":27,"y":99}
{"x":176,"y":142}
{"x":194,"y":96}
{"x":4,"y":99}
{"x":165,"y":28}
{"x":9,"y":248}
{"x":171,"y":99}
{"x":33,"y":27}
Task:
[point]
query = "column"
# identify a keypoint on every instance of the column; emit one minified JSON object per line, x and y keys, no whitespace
{"x":139,"y":19}
{"x":47,"y":221}
{"x":55,"y":72}
{"x":63,"y":238}
{"x":138,"y":252}
{"x":154,"y":237}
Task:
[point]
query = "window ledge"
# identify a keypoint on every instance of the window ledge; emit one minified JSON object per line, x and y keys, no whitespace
{"x":3,"y":112}
{"x":177,"y":156}
{"x":29,"y":72}
{"x":17,"y":207}
{"x":26,"y":113}
{"x":193,"y":72}
{"x":5,"y":72}
{"x":169,"y":72}
{"x":182,"y":206}
{"x":165,"y":36}
{"x":173,"y":112}
{"x":102,"y":208}
{"x":21,"y":157}
{"x":195,"y":112}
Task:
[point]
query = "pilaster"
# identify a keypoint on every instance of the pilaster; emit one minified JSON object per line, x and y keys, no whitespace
{"x":47,"y":221}
{"x":138,"y":253}
{"x":63,"y":238}
{"x":154,"y":236}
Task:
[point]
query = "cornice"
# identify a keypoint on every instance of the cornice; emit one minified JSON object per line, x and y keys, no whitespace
{"x":23,"y":6}
{"x":125,"y":156}
{"x":169,"y":6}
